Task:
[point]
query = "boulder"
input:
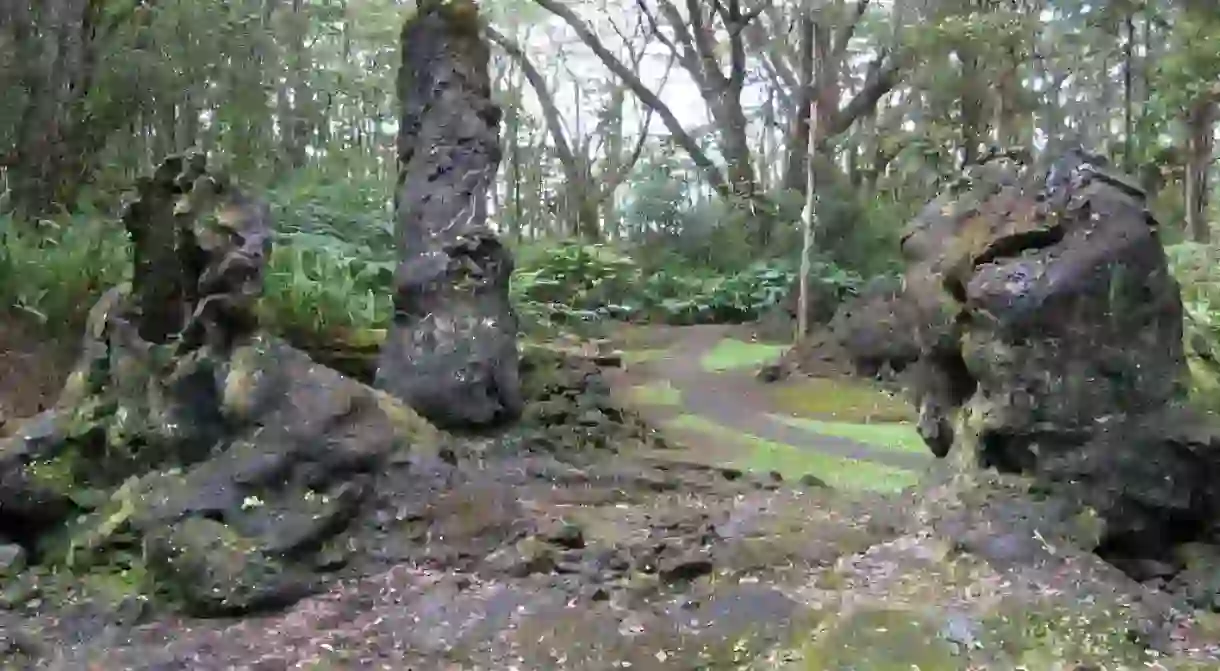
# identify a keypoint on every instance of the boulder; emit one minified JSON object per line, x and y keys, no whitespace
{"x":451,"y":351}
{"x":876,"y":328}
{"x":219,"y":461}
{"x":1050,"y":344}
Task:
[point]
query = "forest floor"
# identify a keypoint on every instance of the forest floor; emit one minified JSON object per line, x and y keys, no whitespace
{"x":692,"y":558}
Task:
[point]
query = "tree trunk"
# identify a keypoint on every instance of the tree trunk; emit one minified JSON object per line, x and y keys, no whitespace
{"x":1201,"y":126}
{"x":45,"y":172}
{"x":1009,"y":127}
{"x":766,"y":153}
{"x":297,"y":124}
{"x":798,"y":139}
{"x":974,"y":124}
{"x":614,"y":154}
{"x":808,"y":225}
{"x":647,"y":96}
{"x":576,"y":178}
{"x":451,"y":351}
{"x":1128,"y":95}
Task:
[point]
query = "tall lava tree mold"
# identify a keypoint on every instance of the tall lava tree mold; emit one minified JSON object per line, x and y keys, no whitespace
{"x":451,"y":352}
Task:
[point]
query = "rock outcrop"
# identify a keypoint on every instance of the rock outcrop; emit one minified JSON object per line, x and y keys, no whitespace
{"x":1050,"y":344}
{"x":187,"y":446}
{"x":451,"y":352}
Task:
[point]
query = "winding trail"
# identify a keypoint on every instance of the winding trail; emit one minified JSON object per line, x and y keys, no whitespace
{"x":737,"y":401}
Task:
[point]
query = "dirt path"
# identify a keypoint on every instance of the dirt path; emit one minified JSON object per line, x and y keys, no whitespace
{"x":736,"y":400}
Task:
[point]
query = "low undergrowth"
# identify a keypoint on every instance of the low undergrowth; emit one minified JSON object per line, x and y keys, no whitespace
{"x":321,"y":283}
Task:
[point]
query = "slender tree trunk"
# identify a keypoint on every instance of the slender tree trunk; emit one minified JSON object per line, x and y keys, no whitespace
{"x":1201,"y":125}
{"x":798,"y":139}
{"x":766,"y":151}
{"x":1128,"y":85}
{"x":1009,"y":129}
{"x":974,"y":125}
{"x":614,"y":154}
{"x":808,"y":226}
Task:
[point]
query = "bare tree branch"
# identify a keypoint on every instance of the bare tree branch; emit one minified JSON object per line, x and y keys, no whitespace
{"x":704,"y":41}
{"x":613,"y":180}
{"x":882,"y":79}
{"x":688,"y":54}
{"x":554,"y":121}
{"x":709,"y":169}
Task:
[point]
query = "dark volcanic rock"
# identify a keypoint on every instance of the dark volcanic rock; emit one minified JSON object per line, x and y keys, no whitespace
{"x":451,"y":352}
{"x":1050,"y":299}
{"x":1050,"y":337}
{"x":221,"y":460}
{"x":876,"y":329}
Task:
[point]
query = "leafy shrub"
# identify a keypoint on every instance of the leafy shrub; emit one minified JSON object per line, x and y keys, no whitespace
{"x":54,"y":271}
{"x":572,"y":282}
{"x":684,"y":298}
{"x":354,"y":214}
{"x":319,"y":285}
{"x":315,"y":284}
{"x":1195,"y":267}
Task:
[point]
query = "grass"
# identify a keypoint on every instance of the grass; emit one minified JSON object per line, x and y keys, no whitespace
{"x":841,"y":400}
{"x":638,"y":356}
{"x":893,"y":436}
{"x":659,"y":393}
{"x":792,"y":462}
{"x":732,"y":354}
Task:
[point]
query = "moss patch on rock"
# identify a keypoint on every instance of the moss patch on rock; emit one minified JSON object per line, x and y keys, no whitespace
{"x":878,"y":640}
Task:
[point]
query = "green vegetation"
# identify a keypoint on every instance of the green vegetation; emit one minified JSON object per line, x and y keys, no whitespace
{"x":659,"y":393}
{"x":328,"y":283}
{"x":792,"y":462}
{"x":638,"y":356}
{"x":842,"y":400}
{"x":572,"y":281}
{"x":732,"y":354}
{"x":901,"y":437}
{"x":879,"y":640}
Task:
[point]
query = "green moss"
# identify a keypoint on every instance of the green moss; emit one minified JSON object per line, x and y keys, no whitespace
{"x":899,"y":437}
{"x":841,"y":400}
{"x":116,"y":583}
{"x":57,"y":474}
{"x":793,"y":462}
{"x":1043,"y":636}
{"x":879,"y":640}
{"x":730,"y":354}
{"x":659,"y":393}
